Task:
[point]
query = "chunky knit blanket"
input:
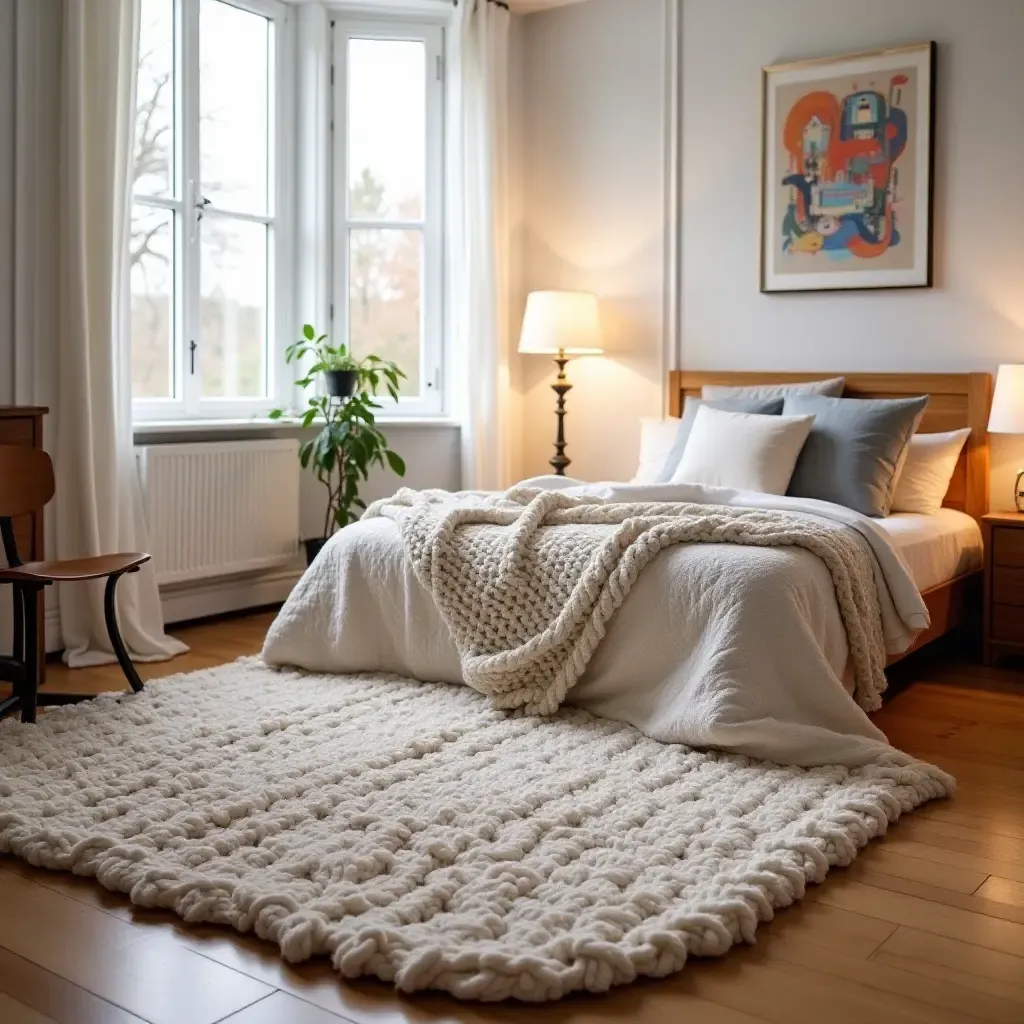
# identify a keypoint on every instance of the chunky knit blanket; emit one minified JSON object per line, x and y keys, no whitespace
{"x":526,"y":581}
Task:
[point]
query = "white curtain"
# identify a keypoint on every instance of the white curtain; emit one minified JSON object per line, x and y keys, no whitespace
{"x":478,"y":235}
{"x":98,"y":503}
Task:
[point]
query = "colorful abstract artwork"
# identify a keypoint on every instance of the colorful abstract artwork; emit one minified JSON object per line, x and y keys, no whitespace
{"x":847,"y":172}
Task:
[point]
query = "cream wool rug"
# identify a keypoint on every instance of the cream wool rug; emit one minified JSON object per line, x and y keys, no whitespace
{"x":413,"y":832}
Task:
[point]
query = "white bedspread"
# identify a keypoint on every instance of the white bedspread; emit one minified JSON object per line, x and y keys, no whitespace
{"x":717,"y":645}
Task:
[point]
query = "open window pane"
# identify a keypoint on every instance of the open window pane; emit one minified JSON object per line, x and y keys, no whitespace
{"x":152,"y":299}
{"x":234,"y":107}
{"x":386,"y":129}
{"x":154,"y":119}
{"x":233,"y":308}
{"x":385,"y":275}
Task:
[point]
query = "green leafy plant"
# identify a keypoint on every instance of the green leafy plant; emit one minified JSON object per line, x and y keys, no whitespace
{"x":349,"y":443}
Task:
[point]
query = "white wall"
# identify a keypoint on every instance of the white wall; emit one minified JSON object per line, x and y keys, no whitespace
{"x":974,"y":316}
{"x":432,"y":457}
{"x":596,"y":135}
{"x":594,"y":124}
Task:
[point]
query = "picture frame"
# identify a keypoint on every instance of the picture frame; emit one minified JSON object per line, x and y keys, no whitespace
{"x":847,"y":171}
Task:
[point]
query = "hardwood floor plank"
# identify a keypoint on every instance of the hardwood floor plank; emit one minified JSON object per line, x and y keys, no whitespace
{"x":90,"y":893}
{"x":924,"y":915}
{"x":1003,"y":890}
{"x":281,"y":1008}
{"x":948,"y":1000}
{"x":952,"y":837}
{"x":55,"y":997}
{"x":948,"y":898}
{"x":39,"y":924}
{"x":994,"y":818}
{"x":940,"y":957}
{"x":160,"y":982}
{"x":163,"y":983}
{"x":956,"y":858}
{"x":787,"y":993}
{"x":13,"y":1012}
{"x":831,"y":928}
{"x":946,"y":876}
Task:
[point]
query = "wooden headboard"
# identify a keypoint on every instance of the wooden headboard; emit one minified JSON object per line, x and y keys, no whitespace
{"x":955,"y":400}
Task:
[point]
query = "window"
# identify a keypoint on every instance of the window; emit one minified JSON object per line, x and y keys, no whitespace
{"x":388,"y":200}
{"x":208,"y":306}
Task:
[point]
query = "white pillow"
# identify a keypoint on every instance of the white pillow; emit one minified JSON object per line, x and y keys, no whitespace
{"x":744,"y":450}
{"x":929,"y":466}
{"x":656,"y":440}
{"x":831,"y":388}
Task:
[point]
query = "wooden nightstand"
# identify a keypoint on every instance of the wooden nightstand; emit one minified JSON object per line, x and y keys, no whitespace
{"x":1004,"y":584}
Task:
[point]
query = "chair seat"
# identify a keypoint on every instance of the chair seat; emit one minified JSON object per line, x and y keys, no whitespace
{"x":73,"y":569}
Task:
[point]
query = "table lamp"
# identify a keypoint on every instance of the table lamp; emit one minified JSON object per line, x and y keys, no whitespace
{"x":1007,"y":415}
{"x":561,"y":324}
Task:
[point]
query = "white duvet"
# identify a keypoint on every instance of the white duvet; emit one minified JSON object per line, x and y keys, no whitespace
{"x":739,"y":648}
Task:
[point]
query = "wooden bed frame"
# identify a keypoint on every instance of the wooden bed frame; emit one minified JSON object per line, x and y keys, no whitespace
{"x":955,"y":400}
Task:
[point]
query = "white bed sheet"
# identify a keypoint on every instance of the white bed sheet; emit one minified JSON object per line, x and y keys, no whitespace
{"x":750,"y":652}
{"x":936,"y":548}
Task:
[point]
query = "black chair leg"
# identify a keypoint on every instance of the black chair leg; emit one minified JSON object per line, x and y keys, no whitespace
{"x":18,"y":647}
{"x":120,"y":651}
{"x":30,"y":636}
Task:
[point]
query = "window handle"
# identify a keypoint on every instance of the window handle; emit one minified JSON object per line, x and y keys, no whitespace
{"x":192,"y":346}
{"x":201,"y":204}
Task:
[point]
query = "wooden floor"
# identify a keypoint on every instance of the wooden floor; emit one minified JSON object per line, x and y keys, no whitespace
{"x":926,"y":926}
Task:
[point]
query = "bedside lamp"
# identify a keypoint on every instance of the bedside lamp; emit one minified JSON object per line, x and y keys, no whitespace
{"x":1007,"y":416}
{"x":561,"y":324}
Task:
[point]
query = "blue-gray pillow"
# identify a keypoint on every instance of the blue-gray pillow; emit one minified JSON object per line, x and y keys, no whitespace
{"x":764,"y":406}
{"x":855,"y":449}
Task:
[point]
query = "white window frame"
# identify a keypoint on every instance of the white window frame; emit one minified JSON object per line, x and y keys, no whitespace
{"x":186,"y":203}
{"x":431,"y":33}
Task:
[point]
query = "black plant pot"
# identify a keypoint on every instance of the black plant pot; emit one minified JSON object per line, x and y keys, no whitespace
{"x":341,"y":383}
{"x":313,"y":548}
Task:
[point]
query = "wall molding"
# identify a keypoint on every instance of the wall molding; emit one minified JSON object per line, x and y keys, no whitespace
{"x":672,"y":265}
{"x":190,"y":601}
{"x":228,"y":594}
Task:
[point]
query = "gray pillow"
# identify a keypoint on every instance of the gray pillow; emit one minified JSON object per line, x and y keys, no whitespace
{"x":854,"y":452}
{"x":833,"y":387}
{"x":766,"y":407}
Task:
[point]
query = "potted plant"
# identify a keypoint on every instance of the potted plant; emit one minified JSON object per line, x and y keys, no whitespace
{"x":349,"y":443}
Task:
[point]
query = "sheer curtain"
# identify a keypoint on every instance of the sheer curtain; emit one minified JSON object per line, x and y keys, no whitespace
{"x":98,"y":503}
{"x":479,"y":239}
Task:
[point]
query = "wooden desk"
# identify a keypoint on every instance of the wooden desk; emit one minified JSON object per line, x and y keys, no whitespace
{"x":24,"y":425}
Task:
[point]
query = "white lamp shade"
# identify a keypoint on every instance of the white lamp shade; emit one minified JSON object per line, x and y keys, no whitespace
{"x":1007,"y":416}
{"x":561,"y":321}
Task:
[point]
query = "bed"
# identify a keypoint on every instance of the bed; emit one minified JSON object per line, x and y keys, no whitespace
{"x":954,"y":400}
{"x":752,"y":651}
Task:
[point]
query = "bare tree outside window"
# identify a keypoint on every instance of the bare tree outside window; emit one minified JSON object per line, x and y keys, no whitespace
{"x":229,"y":236}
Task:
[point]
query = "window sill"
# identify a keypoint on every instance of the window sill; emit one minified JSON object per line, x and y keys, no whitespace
{"x":161,"y":429}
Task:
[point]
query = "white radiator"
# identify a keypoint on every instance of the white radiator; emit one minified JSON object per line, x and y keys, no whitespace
{"x":221,"y":508}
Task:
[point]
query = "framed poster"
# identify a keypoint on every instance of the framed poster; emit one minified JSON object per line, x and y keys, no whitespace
{"x":847,"y":155}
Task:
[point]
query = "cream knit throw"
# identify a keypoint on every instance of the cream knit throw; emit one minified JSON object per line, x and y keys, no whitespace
{"x":413,"y":832}
{"x":527,"y":581}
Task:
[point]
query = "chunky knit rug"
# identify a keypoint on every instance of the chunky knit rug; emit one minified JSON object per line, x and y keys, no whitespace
{"x":416,"y":833}
{"x":526,"y":581}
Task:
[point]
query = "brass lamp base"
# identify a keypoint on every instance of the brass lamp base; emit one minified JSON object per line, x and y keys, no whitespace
{"x":1018,"y":494}
{"x":560,"y":462}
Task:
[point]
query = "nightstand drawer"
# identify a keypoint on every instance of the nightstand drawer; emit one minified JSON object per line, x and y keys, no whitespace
{"x":1007,"y":623}
{"x":1008,"y":586}
{"x":1008,"y":546}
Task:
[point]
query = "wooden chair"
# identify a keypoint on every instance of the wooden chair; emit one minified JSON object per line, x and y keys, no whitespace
{"x":26,"y":485}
